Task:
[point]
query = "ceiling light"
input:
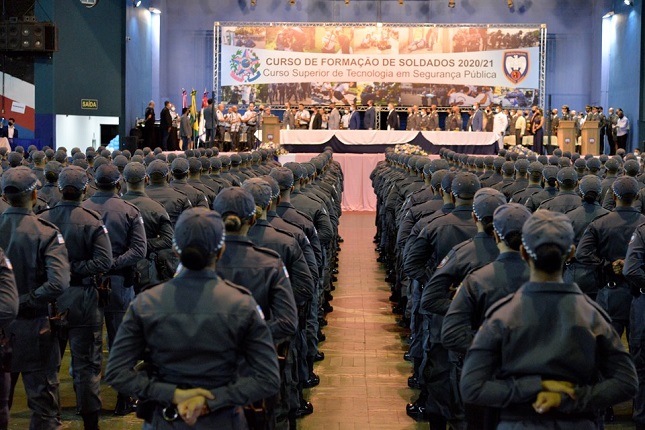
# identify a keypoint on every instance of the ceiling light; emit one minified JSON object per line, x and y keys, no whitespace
{"x":510,"y":4}
{"x":136,"y":3}
{"x":401,"y":2}
{"x":292,"y":2}
{"x":451,"y":3}
{"x":346,"y":2}
{"x":154,"y":10}
{"x":629,"y":2}
{"x":608,"y":14}
{"x":253,"y":2}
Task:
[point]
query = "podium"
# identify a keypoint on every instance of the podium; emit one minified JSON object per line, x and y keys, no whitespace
{"x":270,"y":129}
{"x":567,"y":136}
{"x":590,"y":141}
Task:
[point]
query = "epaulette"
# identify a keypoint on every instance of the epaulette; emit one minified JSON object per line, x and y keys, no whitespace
{"x":132,"y":206}
{"x":239,"y":288}
{"x":48,"y":224}
{"x":267,"y":251}
{"x":305,"y":215}
{"x":94,"y":213}
{"x":280,"y":230}
{"x":498,"y":304}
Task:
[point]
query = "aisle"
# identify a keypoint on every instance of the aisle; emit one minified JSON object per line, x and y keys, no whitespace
{"x":363,"y":379}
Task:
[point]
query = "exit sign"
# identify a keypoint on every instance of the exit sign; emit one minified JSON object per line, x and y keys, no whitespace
{"x":89,"y":104}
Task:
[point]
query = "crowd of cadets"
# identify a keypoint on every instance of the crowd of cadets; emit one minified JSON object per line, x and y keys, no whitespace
{"x":450,"y":254}
{"x":71,"y":222}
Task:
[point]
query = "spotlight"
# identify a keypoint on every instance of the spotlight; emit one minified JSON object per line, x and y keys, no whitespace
{"x":451,"y":3}
{"x":629,"y":2}
{"x":608,"y":14}
{"x":510,"y":4}
{"x":346,"y":2}
{"x":136,"y":3}
{"x":253,"y":2}
{"x":401,"y":2}
{"x":154,"y":10}
{"x":292,"y":2}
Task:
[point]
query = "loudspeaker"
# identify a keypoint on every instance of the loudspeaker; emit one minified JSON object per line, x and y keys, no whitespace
{"x":129,"y":143}
{"x":29,"y":37}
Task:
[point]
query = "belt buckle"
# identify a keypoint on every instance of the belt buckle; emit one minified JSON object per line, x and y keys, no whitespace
{"x":170,"y":414}
{"x":611,"y":285}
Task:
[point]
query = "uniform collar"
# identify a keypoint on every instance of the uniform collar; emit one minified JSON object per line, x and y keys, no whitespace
{"x":626,"y":209}
{"x":21,"y":211}
{"x":237,"y":239}
{"x":510,"y":255}
{"x":550,"y":287}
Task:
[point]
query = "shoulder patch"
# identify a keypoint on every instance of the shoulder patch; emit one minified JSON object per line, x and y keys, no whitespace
{"x":498,"y":304}
{"x":286,"y":272}
{"x":60,"y":239}
{"x":7,"y":263}
{"x":259,"y":310}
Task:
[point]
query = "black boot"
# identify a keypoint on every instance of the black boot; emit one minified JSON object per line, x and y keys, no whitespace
{"x":91,"y":421}
{"x":124,"y":405}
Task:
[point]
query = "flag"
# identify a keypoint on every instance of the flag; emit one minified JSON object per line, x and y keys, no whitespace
{"x":193,"y":110}
{"x":205,"y":99}
{"x":184,"y":98}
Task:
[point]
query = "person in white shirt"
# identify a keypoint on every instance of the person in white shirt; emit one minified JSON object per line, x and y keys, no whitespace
{"x":345,"y":119}
{"x":500,"y":122}
{"x":622,"y":129}
{"x":221,"y":126}
{"x":234,"y":120}
{"x":302,"y":117}
{"x":250,"y":118}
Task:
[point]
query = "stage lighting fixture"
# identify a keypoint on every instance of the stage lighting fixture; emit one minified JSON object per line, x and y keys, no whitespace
{"x":510,"y":4}
{"x":253,"y":2}
{"x":136,"y":3}
{"x":629,"y":2}
{"x":451,"y":3}
{"x":401,"y":2}
{"x":292,"y":2}
{"x":346,"y":2}
{"x":154,"y":10}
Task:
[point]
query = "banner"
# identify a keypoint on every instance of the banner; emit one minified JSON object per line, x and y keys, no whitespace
{"x":445,"y":66}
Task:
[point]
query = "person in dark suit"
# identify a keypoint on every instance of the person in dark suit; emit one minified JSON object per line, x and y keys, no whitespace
{"x":393,"y":122}
{"x":316,"y":119}
{"x":354,"y":119}
{"x":477,"y":119}
{"x":10,"y":131}
{"x":165,"y":125}
{"x":369,"y":121}
{"x":149,"y":127}
{"x":210,"y":123}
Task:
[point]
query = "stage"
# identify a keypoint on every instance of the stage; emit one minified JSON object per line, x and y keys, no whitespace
{"x":376,"y":141}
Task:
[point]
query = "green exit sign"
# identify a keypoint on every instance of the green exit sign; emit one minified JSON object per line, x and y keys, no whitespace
{"x":89,"y":104}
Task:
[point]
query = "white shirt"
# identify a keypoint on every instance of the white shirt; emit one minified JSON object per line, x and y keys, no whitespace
{"x":520,"y":124}
{"x":345,"y":120}
{"x":500,"y":122}
{"x":10,"y":131}
{"x":303,"y":117}
{"x":622,"y":126}
{"x":251,"y":116}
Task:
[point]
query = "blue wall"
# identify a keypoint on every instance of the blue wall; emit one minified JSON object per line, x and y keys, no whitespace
{"x":573,"y":72}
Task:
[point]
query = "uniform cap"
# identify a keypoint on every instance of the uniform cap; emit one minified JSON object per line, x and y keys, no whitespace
{"x":554,"y":160}
{"x":550,"y":172}
{"x":479,"y":162}
{"x":260,"y":190}
{"x":283,"y":176}
{"x":564,"y":162}
{"x":580,"y":163}
{"x":19,"y":180}
{"x":543,"y":159}
{"x":82,"y":163}
{"x":427,"y":169}
{"x":194,"y":165}
{"x":15,"y":159}
{"x":216,"y":163}
{"x":547,"y":227}
{"x":488,"y":161}
{"x":603,"y":158}
{"x":134,"y":172}
{"x":567,"y":175}
{"x":39,"y":156}
{"x":297,"y":169}
{"x":535,"y":167}
{"x":612,"y":165}
{"x":437,"y":178}
{"x":486,"y":201}
{"x":199,"y":227}
{"x":632,"y":168}
{"x":446,"y":182}
{"x":137,"y":158}
{"x":256,"y":156}
{"x":73,"y":176}
{"x":498,"y":162}
{"x":236,"y":159}
{"x":107,"y":174}
{"x":53,"y":167}
{"x":594,"y":163}
{"x":625,"y":187}
{"x":157,"y":167}
{"x":590,"y":183}
{"x":236,"y":201}
{"x":438,"y":164}
{"x":169,"y":159}
{"x":508,"y":167}
{"x":120,"y":161}
{"x":522,"y":165}
{"x":60,"y":156}
{"x":275,"y":188}
{"x":180,"y":165}
{"x":509,"y":218}
{"x":100,"y":161}
{"x":205,"y":162}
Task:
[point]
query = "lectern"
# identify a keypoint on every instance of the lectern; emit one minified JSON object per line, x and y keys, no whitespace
{"x":567,"y":136}
{"x":590,"y":142}
{"x":271,"y":129}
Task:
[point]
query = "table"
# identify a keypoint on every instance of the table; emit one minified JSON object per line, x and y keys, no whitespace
{"x":376,"y":141}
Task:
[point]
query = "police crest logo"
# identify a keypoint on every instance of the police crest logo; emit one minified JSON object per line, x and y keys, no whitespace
{"x":245,"y":66}
{"x":516,"y":65}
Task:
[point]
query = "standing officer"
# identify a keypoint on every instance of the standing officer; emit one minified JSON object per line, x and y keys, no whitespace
{"x":128,"y":238}
{"x":179,"y":170}
{"x":561,"y":360}
{"x":37,"y":249}
{"x":214,"y":325}
{"x":156,"y":223}
{"x":90,"y":254}
{"x":603,"y":246}
{"x":175,"y":202}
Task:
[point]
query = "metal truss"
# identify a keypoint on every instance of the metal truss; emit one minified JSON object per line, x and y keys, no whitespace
{"x":542,"y":82}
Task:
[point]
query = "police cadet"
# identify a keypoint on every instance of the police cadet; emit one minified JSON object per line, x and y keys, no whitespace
{"x":49,"y":191}
{"x":631,"y":168}
{"x":612,"y":166}
{"x":9,"y":306}
{"x":260,"y":270}
{"x":90,"y":254}
{"x":508,"y":169}
{"x":226,"y":171}
{"x":215,"y":325}
{"x":179,"y":170}
{"x":562,"y":362}
{"x":603,"y":246}
{"x":37,"y":249}
{"x":430,"y":247}
{"x":496,"y":176}
{"x":128,"y":238}
{"x":549,"y":175}
{"x":263,"y":234}
{"x":521,"y":179}
{"x":567,"y":199}
{"x":534,"y":185}
{"x":175,"y":202}
{"x":195,"y":179}
{"x":156,"y":223}
{"x":634,"y":271}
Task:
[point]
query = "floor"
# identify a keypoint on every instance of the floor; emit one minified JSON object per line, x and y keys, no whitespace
{"x":363,"y":377}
